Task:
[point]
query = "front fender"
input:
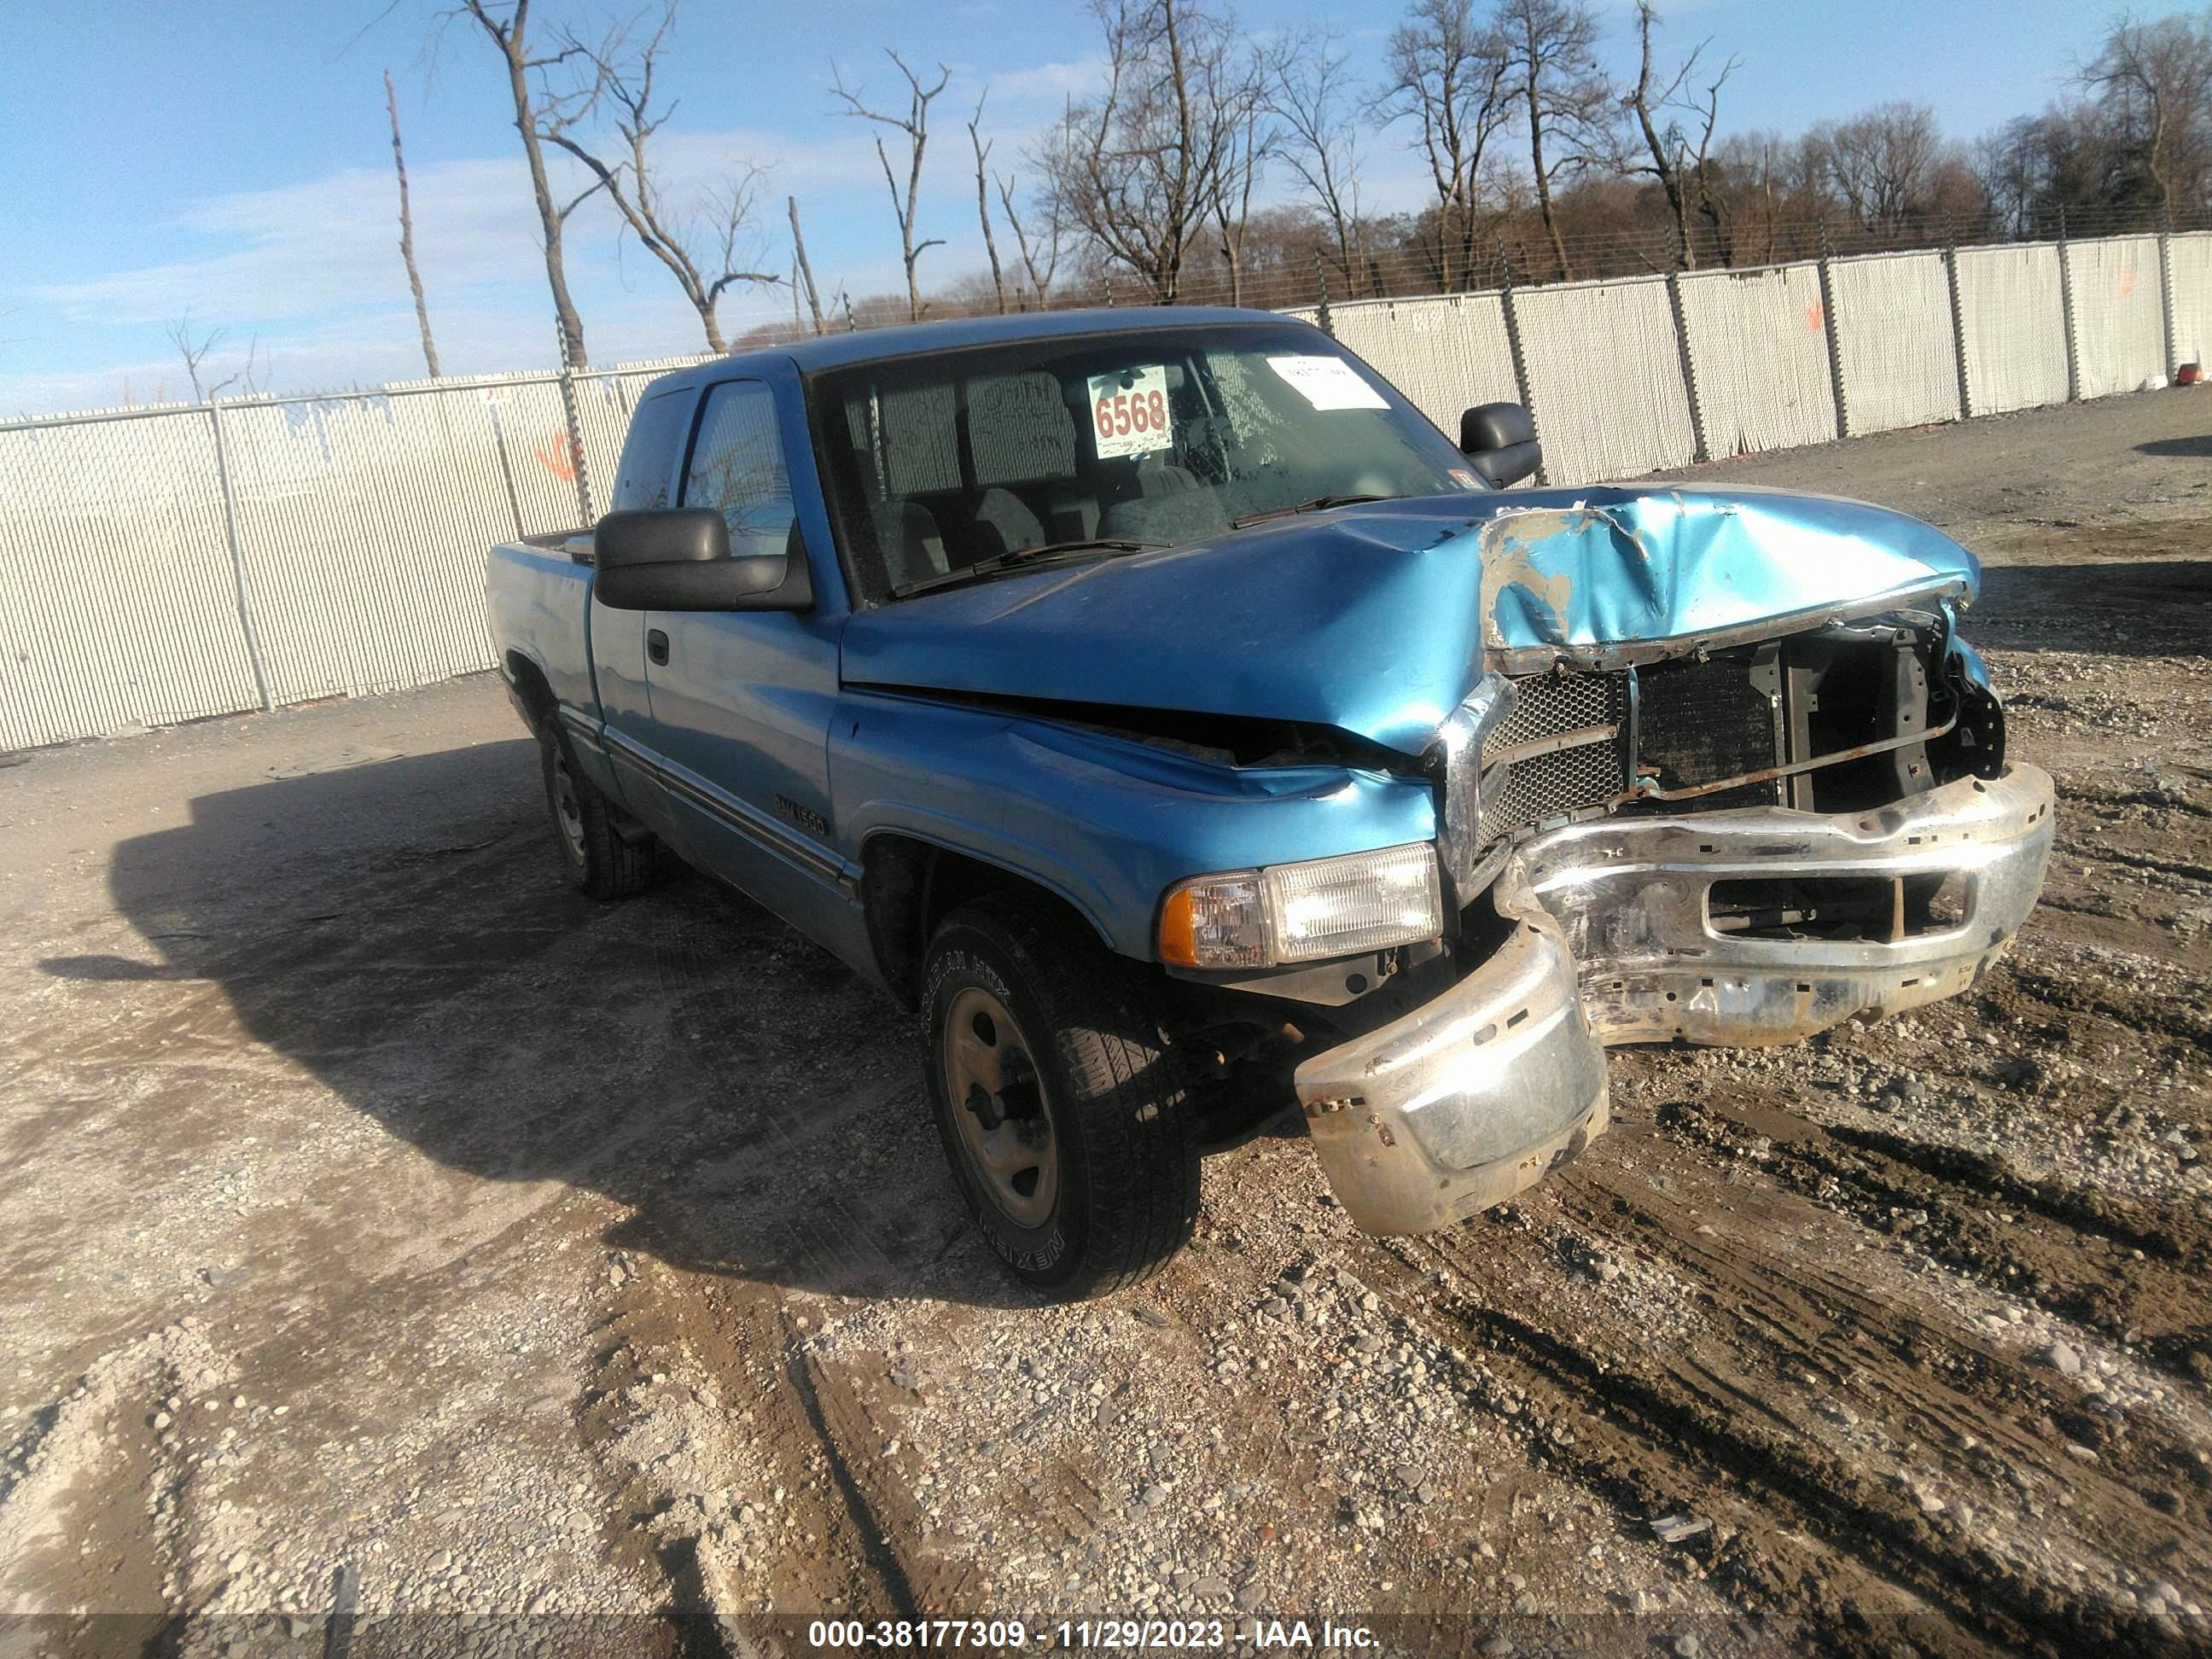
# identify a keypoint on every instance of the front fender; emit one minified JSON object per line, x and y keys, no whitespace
{"x":1107,"y":823}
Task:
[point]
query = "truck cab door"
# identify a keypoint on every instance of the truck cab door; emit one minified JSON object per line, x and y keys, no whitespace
{"x":646,"y":479}
{"x":740,"y":703}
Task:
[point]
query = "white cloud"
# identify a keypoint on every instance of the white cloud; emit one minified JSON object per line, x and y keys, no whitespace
{"x":1049,"y":84}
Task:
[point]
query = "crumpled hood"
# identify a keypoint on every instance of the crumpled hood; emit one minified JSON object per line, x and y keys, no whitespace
{"x":1379,"y":619}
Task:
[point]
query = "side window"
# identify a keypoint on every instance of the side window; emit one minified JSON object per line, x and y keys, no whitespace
{"x":736,"y":466}
{"x":648,"y":456}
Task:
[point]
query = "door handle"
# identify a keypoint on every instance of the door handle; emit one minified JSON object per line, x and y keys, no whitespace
{"x":656,"y":646}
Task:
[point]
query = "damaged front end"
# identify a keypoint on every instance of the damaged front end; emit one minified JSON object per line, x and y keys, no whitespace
{"x":1739,"y":838}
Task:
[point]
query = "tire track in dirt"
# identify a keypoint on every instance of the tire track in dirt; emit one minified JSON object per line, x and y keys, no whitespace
{"x":2113,"y":1264}
{"x":1808,"y":1525}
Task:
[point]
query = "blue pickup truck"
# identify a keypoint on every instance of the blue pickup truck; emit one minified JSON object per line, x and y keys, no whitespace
{"x":1182,"y":724}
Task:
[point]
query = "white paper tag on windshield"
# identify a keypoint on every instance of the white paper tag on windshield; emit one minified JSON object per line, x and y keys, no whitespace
{"x":1327,"y":382}
{"x":1129,"y":411}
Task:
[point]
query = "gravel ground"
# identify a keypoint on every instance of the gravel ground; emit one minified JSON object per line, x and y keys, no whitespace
{"x":592,"y":1273}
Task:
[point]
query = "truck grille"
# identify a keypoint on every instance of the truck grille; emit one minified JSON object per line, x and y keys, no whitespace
{"x":1546,"y":780}
{"x":1696,"y":722}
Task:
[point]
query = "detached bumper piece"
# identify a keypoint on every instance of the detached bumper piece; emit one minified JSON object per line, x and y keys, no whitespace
{"x":1461,"y":1103}
{"x":1760,"y":925}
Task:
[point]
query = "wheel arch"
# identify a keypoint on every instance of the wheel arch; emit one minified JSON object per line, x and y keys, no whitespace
{"x":909,"y":884}
{"x":533,"y":691}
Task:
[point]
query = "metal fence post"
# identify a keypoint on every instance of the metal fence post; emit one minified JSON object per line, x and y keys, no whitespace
{"x":1700,"y":450}
{"x":2066,"y":314}
{"x":576,"y":440}
{"x":1520,"y":357}
{"x":2166,"y":291}
{"x":1958,"y":320}
{"x":1321,"y":284}
{"x":1835,"y":342}
{"x":238,"y":559}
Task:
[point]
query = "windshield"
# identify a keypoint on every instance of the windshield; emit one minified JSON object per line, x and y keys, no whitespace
{"x":1159,"y":436}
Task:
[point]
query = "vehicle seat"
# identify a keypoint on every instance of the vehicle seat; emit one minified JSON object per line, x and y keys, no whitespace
{"x":1170,"y":505}
{"x":1017,"y":444}
{"x":910,"y":543}
{"x":1003,"y":522}
{"x":1072,"y":512}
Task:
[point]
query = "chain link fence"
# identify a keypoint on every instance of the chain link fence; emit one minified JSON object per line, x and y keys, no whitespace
{"x":164,"y":565}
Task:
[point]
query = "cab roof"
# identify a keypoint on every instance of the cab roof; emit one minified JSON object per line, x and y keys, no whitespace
{"x":841,"y":351}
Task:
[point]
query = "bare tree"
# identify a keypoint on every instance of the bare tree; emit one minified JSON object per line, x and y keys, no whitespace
{"x":983,"y":197}
{"x":1447,"y":76}
{"x":1676,"y":163}
{"x":915,"y":124}
{"x":540,"y":114}
{"x":1252,"y":140}
{"x":407,"y":231}
{"x":708,"y":250}
{"x":195,"y":348}
{"x":1566,"y":100}
{"x":806,"y":271}
{"x":1040,"y":259}
{"x":1881,"y":162}
{"x":1138,"y":168}
{"x":2153,"y":83}
{"x":2035,"y":166}
{"x":1310,"y":90}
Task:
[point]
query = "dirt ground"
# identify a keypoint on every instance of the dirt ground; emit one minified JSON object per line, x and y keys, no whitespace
{"x":372,"y":1202}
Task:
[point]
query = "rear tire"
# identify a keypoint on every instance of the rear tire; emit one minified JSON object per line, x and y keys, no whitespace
{"x":1069,"y":1132}
{"x":600,"y":860}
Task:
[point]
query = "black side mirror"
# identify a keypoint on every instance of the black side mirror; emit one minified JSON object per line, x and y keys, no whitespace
{"x":1499,"y":441}
{"x":678,"y":559}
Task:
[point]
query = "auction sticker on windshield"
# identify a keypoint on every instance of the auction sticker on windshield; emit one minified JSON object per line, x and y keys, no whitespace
{"x":1327,"y":382}
{"x":1129,"y":411}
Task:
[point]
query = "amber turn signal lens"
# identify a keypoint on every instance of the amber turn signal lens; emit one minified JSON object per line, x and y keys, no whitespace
{"x":1179,"y":929}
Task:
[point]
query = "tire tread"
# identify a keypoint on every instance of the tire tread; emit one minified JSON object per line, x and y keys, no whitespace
{"x":614,"y":866}
{"x":1143,"y":1171}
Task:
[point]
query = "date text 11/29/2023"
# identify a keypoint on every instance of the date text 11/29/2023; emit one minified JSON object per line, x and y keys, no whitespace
{"x":1132,"y":1634}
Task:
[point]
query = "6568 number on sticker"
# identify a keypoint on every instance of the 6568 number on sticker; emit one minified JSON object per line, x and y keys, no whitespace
{"x":1129,"y":411}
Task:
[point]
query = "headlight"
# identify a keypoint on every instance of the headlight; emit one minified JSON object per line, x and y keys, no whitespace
{"x":1304,"y":912}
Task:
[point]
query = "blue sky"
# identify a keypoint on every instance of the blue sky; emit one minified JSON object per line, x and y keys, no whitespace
{"x":233,"y":159}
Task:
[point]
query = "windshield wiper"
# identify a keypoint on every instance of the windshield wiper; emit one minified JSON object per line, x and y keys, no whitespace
{"x":1314,"y":506}
{"x":1022,"y":556}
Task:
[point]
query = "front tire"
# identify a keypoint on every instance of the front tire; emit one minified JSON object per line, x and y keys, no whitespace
{"x":599,"y":858}
{"x":1069,"y":1133}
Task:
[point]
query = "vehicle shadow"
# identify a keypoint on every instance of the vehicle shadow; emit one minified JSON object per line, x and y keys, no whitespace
{"x":2185,"y":448}
{"x":401,"y":930}
{"x":2127,"y":608}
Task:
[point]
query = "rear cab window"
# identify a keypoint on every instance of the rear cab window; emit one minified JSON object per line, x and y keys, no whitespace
{"x":648,"y":456}
{"x":738,"y":467}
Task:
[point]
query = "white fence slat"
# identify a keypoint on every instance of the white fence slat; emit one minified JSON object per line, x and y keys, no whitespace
{"x":2012,"y":309}
{"x":1761,"y":357}
{"x":2192,"y":254}
{"x":1605,"y":375}
{"x":1893,"y":333}
{"x":118,"y":606}
{"x":2118,"y":327}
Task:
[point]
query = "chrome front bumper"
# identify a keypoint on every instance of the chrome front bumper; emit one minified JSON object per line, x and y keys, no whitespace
{"x":1474,"y":1095}
{"x":1634,"y":896}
